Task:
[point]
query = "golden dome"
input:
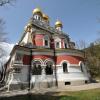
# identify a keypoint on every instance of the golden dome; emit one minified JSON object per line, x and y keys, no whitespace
{"x":29,"y":24}
{"x":58,"y":24}
{"x":45,"y":17}
{"x":37,"y":11}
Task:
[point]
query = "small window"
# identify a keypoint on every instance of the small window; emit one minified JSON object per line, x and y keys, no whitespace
{"x":46,"y":42}
{"x":65,"y":45}
{"x":81,"y":65}
{"x":67,"y":83}
{"x":57,"y":44}
{"x":39,"y":18}
{"x":65,"y":70}
{"x":86,"y":81}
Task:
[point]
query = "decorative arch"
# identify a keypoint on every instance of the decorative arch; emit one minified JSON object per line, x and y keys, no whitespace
{"x":48,"y":60}
{"x":37,"y":59}
{"x":66,"y":61}
{"x":48,"y":66}
{"x":37,"y":67}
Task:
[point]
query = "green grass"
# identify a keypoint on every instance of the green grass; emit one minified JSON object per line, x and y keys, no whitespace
{"x":81,"y":95}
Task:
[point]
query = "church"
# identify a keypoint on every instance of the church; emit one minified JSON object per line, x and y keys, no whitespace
{"x":45,"y":57}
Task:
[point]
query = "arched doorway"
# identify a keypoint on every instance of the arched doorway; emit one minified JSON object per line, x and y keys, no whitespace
{"x":36,"y":68}
{"x":49,"y":69}
{"x":65,"y":67}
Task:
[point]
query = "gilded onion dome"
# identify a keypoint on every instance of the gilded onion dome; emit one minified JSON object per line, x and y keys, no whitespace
{"x":58,"y":24}
{"x":29,"y":25}
{"x":45,"y":17}
{"x":37,"y":11}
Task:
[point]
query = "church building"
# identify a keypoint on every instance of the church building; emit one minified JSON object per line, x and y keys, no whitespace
{"x":45,"y":57}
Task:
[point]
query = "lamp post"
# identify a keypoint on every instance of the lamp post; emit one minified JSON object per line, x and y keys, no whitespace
{"x":29,"y":74}
{"x":53,"y":46}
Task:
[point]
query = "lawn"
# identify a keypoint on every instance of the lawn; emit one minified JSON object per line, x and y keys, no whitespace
{"x":81,"y":95}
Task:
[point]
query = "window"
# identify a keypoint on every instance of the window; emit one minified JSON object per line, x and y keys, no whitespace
{"x":67,"y":83}
{"x":65,"y":70}
{"x":39,"y":18}
{"x":57,"y":42}
{"x":57,"y":45}
{"x":48,"y":69}
{"x":46,"y":42}
{"x":65,"y":45}
{"x":81,"y":65}
{"x":18,"y":58}
{"x":36,"y":69}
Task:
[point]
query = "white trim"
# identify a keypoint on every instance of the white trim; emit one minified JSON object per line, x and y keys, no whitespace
{"x":43,"y":53}
{"x":22,"y":52}
{"x":69,"y":53}
{"x":21,"y":65}
{"x":69,"y":65}
{"x":66,"y":61}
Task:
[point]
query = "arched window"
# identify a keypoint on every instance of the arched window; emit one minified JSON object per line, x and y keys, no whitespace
{"x":57,"y":42}
{"x":81,"y":66}
{"x":46,"y":41}
{"x":65,"y":44}
{"x":57,"y":45}
{"x":36,"y":68}
{"x":49,"y":69}
{"x":65,"y":69}
{"x":37,"y":17}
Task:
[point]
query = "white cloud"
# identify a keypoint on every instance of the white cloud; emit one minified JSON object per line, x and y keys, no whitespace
{"x":5,"y":49}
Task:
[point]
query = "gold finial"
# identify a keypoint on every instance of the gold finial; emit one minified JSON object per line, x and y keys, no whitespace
{"x":37,"y":11}
{"x":45,"y":17}
{"x":58,"y":24}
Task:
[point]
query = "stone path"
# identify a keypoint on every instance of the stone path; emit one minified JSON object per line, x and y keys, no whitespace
{"x":51,"y":90}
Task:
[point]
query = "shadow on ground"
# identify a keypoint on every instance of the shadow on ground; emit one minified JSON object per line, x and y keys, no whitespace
{"x":38,"y":97}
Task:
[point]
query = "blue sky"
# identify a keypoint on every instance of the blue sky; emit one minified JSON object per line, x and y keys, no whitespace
{"x":79,"y":17}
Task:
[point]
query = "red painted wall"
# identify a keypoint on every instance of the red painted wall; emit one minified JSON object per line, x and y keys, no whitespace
{"x":26,"y":60}
{"x":71,"y":59}
{"x":38,"y":40}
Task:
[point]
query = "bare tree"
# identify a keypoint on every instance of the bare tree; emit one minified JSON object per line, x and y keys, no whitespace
{"x":2,"y":33}
{"x":81,"y":44}
{"x":4,"y":2}
{"x":97,"y":41}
